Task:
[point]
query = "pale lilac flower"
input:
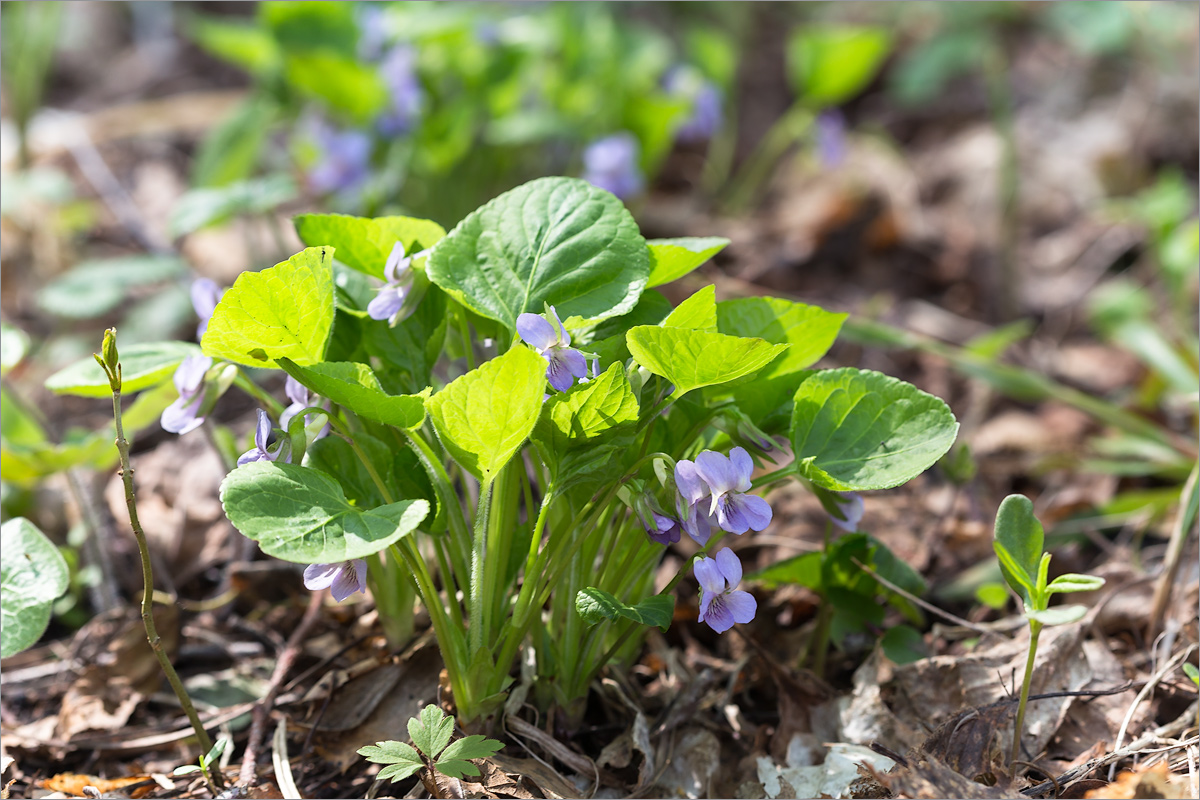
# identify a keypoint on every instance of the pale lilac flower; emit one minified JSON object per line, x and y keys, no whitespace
{"x":729,"y":480}
{"x":342,"y":579}
{"x":371,"y":34}
{"x":694,"y":513}
{"x":399,"y":72}
{"x":301,"y":398}
{"x":847,"y":511}
{"x":184,"y":414}
{"x":721,"y":603}
{"x":705,"y":98}
{"x":553,"y":343}
{"x":344,"y":162}
{"x":389,"y":304}
{"x":831,"y":137}
{"x":206,"y":294}
{"x":263,"y":450}
{"x":611,"y":164}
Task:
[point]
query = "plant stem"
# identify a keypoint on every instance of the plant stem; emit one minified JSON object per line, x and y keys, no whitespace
{"x":243,"y":382}
{"x":478,"y":557}
{"x":780,"y":474}
{"x":1035,"y":630}
{"x":148,"y":589}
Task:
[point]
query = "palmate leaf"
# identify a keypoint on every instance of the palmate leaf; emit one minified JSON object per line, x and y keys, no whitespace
{"x":560,"y":241}
{"x":403,"y":761}
{"x":855,"y":430}
{"x":301,"y":515}
{"x":454,"y":761}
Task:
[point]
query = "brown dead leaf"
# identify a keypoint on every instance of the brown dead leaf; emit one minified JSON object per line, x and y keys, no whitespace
{"x":545,"y":778}
{"x":933,"y":779}
{"x":969,"y":743}
{"x":1156,"y":781}
{"x":72,"y":783}
{"x":121,"y":670}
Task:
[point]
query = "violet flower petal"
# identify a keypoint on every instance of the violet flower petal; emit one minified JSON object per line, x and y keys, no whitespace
{"x":350,"y":579}
{"x":320,"y":576}
{"x":718,"y":616}
{"x":730,"y":567}
{"x":389,"y":301}
{"x":182,"y":416}
{"x":708,"y":575}
{"x":741,"y":606}
{"x":537,"y":332}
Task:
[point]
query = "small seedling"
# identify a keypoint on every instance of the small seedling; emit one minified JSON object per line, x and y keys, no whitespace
{"x":209,"y":762}
{"x":430,"y":733}
{"x":1018,"y":543}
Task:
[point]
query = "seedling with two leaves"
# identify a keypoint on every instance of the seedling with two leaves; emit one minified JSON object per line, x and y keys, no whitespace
{"x":1018,"y":543}
{"x":431,"y":733}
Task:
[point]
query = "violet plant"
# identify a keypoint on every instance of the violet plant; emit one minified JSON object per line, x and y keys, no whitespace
{"x":521,"y":446}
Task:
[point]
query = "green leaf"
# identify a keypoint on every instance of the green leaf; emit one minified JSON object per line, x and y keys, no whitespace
{"x":32,"y":576}
{"x":301,"y":515}
{"x":903,"y":644}
{"x":454,"y":761}
{"x":1059,"y":615}
{"x":693,"y":359}
{"x":93,"y":288}
{"x":671,"y":259}
{"x":1018,"y":543}
{"x":285,"y":311}
{"x":828,"y":64}
{"x":334,"y":456}
{"x":356,"y":387}
{"x":698,"y":312}
{"x":403,"y":760}
{"x":344,"y":84}
{"x":248,"y":46}
{"x":992,"y":594}
{"x":431,"y":732}
{"x":1190,"y":670}
{"x":230,"y":152}
{"x":801,"y":570}
{"x":142,"y":365}
{"x":363,"y":243}
{"x":854,"y":430}
{"x":485,"y":416}
{"x":560,"y":241}
{"x":14,"y":344}
{"x":582,"y":432}
{"x":1074,"y":582}
{"x":410,"y":349}
{"x":205,"y":206}
{"x":809,"y":330}
{"x":595,"y":605}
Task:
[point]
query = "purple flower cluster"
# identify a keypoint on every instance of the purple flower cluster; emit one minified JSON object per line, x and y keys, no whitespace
{"x":712,"y":492}
{"x":611,"y":164}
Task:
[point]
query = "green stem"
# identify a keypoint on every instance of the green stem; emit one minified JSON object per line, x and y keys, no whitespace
{"x":243,"y":382}
{"x":478,"y":557}
{"x":455,"y":518}
{"x":786,"y":130}
{"x":818,"y":646}
{"x":1035,"y":630}
{"x":160,"y":653}
{"x":780,"y":474}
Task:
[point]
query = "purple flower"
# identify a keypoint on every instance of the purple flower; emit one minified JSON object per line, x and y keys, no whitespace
{"x":831,"y":137}
{"x":184,"y":414}
{"x":389,"y":303}
{"x":694,"y":514}
{"x":371,"y":33}
{"x":399,"y":72}
{"x":280,"y":451}
{"x":611,"y":164}
{"x":729,"y":480}
{"x":206,"y":294}
{"x":553,"y":343}
{"x":847,"y":510}
{"x":344,"y":162}
{"x":705,"y":97}
{"x":660,"y":527}
{"x":721,"y":603}
{"x":301,"y":398}
{"x":343,"y":579}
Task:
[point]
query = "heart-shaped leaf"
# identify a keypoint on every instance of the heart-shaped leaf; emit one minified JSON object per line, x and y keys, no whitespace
{"x":854,"y":430}
{"x":301,"y":515}
{"x":485,"y":416}
{"x":285,"y":311}
{"x":32,"y":576}
{"x":142,"y":365}
{"x":595,"y":605}
{"x":364,"y":243}
{"x":671,"y":259}
{"x":690,"y":359}
{"x":356,"y":387}
{"x":560,"y":241}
